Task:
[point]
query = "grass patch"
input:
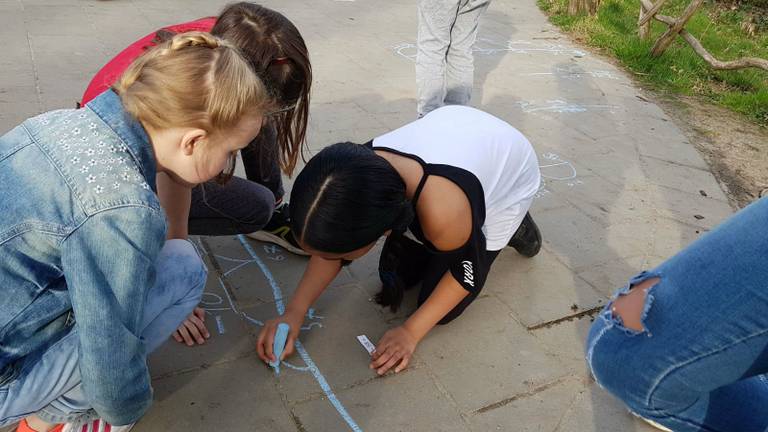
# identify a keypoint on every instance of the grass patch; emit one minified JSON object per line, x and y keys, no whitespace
{"x":680,"y":70}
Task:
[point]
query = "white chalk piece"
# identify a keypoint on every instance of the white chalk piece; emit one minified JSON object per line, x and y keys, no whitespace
{"x":366,"y":343}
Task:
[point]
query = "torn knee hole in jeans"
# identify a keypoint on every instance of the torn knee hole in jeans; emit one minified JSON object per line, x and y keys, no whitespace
{"x":632,"y":304}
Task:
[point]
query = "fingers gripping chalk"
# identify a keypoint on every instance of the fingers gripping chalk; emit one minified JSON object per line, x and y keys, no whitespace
{"x":281,"y":335}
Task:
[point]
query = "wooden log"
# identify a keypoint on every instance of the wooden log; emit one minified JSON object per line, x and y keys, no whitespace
{"x":658,"y":17}
{"x":669,"y":36}
{"x":646,"y":19}
{"x":699,"y":49}
{"x":645,"y":29}
{"x":744,"y":62}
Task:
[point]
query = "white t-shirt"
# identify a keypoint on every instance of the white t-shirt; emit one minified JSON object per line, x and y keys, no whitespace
{"x":496,"y":153}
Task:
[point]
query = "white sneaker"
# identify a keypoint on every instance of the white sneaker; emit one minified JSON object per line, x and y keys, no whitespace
{"x":650,"y":422}
{"x":97,"y":425}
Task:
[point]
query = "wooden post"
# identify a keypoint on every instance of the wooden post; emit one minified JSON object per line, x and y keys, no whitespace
{"x":646,"y":15}
{"x":576,"y":7}
{"x":669,"y":36}
{"x":645,"y":29}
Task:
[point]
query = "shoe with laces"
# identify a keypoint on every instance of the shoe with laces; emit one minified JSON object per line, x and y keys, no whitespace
{"x":527,"y":238}
{"x":278,"y":231}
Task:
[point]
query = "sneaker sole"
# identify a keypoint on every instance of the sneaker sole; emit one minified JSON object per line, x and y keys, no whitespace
{"x":268,"y":237}
{"x":652,"y":423}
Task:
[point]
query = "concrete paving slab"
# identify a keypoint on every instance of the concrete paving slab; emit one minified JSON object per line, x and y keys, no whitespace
{"x":409,"y":401}
{"x":489,"y":360}
{"x":195,"y":401}
{"x":579,"y":241}
{"x":540,"y":289}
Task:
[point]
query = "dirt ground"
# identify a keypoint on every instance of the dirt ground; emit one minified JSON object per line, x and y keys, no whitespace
{"x":735,"y":148}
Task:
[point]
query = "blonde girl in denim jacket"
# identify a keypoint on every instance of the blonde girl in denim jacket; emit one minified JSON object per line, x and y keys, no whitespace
{"x":88,"y":284}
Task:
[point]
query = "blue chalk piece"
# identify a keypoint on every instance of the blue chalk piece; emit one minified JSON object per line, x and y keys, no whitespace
{"x":278,"y":346}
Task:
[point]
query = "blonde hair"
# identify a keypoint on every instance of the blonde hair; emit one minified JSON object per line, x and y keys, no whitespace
{"x":192,"y":80}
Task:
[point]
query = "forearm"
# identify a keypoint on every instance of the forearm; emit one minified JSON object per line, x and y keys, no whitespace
{"x":446,"y":296}
{"x":176,"y":200}
{"x":319,"y":274}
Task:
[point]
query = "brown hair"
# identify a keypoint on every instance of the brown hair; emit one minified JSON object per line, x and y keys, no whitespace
{"x":277,"y":53}
{"x":193,"y":80}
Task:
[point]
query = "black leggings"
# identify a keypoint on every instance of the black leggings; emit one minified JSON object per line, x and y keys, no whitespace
{"x":241,"y":205}
{"x":418,"y":264}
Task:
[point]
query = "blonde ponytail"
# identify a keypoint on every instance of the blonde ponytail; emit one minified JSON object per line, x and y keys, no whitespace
{"x":192,"y":80}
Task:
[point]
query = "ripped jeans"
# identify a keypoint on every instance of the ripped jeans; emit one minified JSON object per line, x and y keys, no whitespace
{"x":698,"y":363}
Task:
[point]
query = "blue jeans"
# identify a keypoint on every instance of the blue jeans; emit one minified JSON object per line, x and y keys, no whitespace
{"x":699,"y":361}
{"x":48,"y":383}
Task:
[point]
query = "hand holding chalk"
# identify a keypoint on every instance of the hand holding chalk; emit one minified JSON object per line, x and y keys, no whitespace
{"x":281,"y":335}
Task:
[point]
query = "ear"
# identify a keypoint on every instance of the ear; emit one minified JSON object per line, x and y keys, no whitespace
{"x":191,"y":139}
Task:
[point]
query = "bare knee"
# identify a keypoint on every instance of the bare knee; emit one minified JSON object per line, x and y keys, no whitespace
{"x":629,"y":307}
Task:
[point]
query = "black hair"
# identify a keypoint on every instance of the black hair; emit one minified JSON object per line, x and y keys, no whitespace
{"x":347,"y":197}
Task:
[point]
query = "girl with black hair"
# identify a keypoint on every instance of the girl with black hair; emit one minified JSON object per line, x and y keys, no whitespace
{"x":449,"y":191}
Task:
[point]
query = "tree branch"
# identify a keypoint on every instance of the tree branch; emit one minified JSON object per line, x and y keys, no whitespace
{"x":741,"y":63}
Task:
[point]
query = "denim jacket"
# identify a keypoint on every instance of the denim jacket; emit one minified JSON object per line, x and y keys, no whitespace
{"x":80,"y":233}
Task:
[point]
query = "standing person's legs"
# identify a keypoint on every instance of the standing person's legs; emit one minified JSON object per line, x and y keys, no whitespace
{"x":459,"y":64}
{"x":48,"y":383}
{"x":686,"y":344}
{"x":436,"y":17}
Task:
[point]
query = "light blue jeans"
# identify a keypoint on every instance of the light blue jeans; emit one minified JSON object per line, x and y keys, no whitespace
{"x":444,"y":61}
{"x":700,"y":361}
{"x":48,"y":383}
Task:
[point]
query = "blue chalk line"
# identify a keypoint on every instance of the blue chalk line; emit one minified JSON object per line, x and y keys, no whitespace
{"x":280,"y":306}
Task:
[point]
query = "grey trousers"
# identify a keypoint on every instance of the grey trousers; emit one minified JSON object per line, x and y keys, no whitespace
{"x":444,"y":61}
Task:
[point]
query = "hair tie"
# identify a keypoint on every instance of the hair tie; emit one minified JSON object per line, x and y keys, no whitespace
{"x":280,"y":61}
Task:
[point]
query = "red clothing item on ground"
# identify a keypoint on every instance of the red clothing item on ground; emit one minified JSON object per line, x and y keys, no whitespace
{"x":111,"y":71}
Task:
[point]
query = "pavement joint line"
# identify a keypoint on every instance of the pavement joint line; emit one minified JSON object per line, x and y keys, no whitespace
{"x":203,"y":366}
{"x":448,"y":396}
{"x":574,"y":400}
{"x":35,"y":72}
{"x":589,"y":312}
{"x":524,"y":395}
{"x":318,"y":395}
{"x":680,"y":164}
{"x":297,"y":421}
{"x":313,"y":369}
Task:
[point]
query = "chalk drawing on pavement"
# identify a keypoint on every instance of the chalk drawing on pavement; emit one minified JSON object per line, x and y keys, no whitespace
{"x":555,"y":169}
{"x":212,"y":302}
{"x":561,"y":106}
{"x":485,"y":46}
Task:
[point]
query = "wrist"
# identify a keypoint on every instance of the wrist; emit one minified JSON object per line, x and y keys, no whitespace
{"x":414,"y":330}
{"x":296,"y":311}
